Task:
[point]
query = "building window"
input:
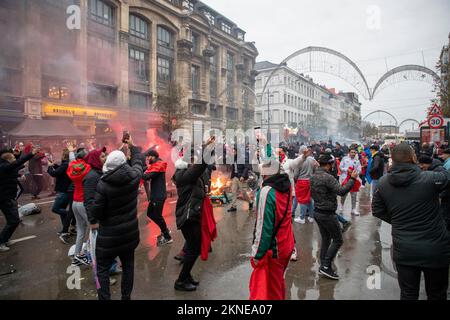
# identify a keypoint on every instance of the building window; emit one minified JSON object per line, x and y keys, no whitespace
{"x":232,"y":114}
{"x":138,"y":27}
{"x":245,"y":99}
{"x":195,"y":79}
{"x":216,"y":112}
{"x":241,"y":36}
{"x":213,"y":75}
{"x":195,"y":43}
{"x":164,"y":37}
{"x":101,"y":59}
{"x":101,"y":12}
{"x":210,"y":17}
{"x":198,"y":109}
{"x":165,"y":56}
{"x":164,"y":70}
{"x":140,"y":101}
{"x":230,"y":76}
{"x":138,"y":64}
{"x":226,"y":28}
{"x":102,"y":95}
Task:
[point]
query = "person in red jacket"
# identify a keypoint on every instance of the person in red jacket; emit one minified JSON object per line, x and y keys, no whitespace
{"x":273,"y":236}
{"x":77,"y":170}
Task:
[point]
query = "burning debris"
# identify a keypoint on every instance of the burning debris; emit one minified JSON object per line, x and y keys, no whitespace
{"x":218,"y":191}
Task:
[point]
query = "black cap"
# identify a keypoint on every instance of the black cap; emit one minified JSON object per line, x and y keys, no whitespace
{"x":152,"y":153}
{"x":326,"y":158}
{"x":374,"y":147}
{"x":424,"y":159}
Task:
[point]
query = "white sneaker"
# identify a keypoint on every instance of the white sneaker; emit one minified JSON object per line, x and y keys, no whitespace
{"x":3,"y":248}
{"x":310,"y":220}
{"x":355,"y":213}
{"x":299,"y":220}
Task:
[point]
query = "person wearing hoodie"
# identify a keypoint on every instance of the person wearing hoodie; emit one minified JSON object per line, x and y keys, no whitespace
{"x":9,"y":173}
{"x":115,"y":209}
{"x":62,"y":184}
{"x":324,"y":189}
{"x":376,"y":169}
{"x":76,"y":171}
{"x":156,"y":174}
{"x":96,"y":159}
{"x":191,"y":180}
{"x":273,"y":237}
{"x":408,"y":199}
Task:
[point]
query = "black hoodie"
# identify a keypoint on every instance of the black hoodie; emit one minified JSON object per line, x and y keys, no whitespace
{"x":279,"y":182}
{"x":408,"y":199}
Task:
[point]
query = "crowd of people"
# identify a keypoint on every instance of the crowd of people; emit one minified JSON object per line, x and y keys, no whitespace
{"x":97,"y":199}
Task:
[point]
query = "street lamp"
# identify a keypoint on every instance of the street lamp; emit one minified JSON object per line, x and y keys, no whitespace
{"x":268,"y":114}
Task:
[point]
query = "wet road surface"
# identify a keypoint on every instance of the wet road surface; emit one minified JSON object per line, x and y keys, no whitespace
{"x":42,"y":262}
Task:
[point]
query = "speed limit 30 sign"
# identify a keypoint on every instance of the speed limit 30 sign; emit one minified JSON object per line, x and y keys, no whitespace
{"x":436,"y":122}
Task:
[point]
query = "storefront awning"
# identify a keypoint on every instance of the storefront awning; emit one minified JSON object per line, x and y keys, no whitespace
{"x":47,"y":128}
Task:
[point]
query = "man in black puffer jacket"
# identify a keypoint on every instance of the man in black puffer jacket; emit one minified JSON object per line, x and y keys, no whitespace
{"x":324,"y":191}
{"x":115,"y":208}
{"x":9,"y":172}
{"x":408,"y":199}
{"x":191,"y":181}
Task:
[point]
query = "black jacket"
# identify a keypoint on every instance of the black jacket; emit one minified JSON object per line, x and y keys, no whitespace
{"x":35,"y":164}
{"x":9,"y":172}
{"x":325,"y":188}
{"x":408,"y":199}
{"x":90,"y":183}
{"x":376,"y":170}
{"x":191,"y":185}
{"x":157,"y":185}
{"x":115,"y":207}
{"x":59,"y":172}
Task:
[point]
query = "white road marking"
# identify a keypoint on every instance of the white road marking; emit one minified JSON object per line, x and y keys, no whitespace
{"x":46,"y":202}
{"x":21,"y":239}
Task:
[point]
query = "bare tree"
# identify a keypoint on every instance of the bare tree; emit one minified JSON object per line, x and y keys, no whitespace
{"x":171,"y":108}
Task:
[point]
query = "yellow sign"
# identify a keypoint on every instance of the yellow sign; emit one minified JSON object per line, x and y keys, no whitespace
{"x":56,"y":110}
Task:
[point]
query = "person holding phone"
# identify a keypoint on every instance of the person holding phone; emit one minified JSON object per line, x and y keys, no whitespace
{"x":115,"y":210}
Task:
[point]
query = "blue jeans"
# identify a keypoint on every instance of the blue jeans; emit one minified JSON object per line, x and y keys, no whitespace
{"x":307,"y":207}
{"x":60,"y":207}
{"x":374,"y":186}
{"x":294,"y":206}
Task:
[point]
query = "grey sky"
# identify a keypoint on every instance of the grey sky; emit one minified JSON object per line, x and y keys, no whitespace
{"x":280,"y":27}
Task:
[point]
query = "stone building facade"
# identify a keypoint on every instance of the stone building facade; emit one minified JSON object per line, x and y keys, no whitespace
{"x":123,"y":54}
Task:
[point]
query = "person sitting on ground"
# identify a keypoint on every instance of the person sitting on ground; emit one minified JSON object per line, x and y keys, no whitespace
{"x":408,"y":199}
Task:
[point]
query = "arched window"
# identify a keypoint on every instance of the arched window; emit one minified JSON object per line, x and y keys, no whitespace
{"x":164,"y":37}
{"x":138,"y":27}
{"x":102,"y":12}
{"x":165,"y":56}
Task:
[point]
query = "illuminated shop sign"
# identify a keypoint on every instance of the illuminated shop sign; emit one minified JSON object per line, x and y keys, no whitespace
{"x":55,"y":110}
